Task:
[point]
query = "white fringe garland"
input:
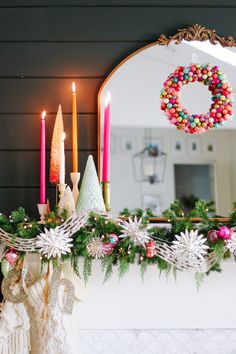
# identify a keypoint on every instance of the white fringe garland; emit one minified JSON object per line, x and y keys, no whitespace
{"x":15,"y":343}
{"x":14,"y":329}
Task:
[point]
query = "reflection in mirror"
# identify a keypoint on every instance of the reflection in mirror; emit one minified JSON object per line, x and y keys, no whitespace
{"x":152,"y":162}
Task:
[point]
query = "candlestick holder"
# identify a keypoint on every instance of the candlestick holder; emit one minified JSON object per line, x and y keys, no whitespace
{"x":43,"y":209}
{"x":75,"y":177}
{"x":106,"y":195}
{"x":61,"y":189}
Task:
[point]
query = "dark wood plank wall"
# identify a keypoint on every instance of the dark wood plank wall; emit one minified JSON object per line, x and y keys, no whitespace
{"x":45,"y":44}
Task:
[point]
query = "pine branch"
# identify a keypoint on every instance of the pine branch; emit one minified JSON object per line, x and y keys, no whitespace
{"x":219,"y":249}
{"x":123,"y":267}
{"x":107,"y":265}
{"x":87,"y":269}
{"x":199,"y":279}
{"x":18,"y":216}
{"x":202,"y":209}
{"x":174,"y":211}
{"x":143,"y":269}
{"x":75,"y":265}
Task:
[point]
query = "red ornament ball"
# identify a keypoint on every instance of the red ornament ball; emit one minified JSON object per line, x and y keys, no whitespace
{"x":212,"y":236}
{"x":150,"y":247}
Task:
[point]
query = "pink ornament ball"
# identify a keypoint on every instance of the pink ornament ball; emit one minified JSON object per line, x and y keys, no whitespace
{"x":11,"y":256}
{"x":107,"y":248}
{"x":113,"y":239}
{"x":224,"y":232}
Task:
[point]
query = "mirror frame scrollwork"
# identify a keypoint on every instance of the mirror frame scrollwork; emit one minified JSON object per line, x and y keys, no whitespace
{"x":195,"y":32}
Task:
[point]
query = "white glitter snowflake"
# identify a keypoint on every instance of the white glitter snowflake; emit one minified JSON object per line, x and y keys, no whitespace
{"x":231,"y":243}
{"x":95,"y":248}
{"x":54,"y":242}
{"x":135,"y":231}
{"x":189,"y":246}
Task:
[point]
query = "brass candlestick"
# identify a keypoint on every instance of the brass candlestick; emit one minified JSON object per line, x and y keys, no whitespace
{"x":106,"y":195}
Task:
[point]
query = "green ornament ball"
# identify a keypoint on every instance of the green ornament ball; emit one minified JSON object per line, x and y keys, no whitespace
{"x":5,"y":267}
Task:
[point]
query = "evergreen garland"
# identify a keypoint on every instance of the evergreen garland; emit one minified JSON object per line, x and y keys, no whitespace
{"x":124,"y":253}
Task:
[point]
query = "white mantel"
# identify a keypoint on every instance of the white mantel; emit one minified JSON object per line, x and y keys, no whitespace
{"x":158,"y":303}
{"x":159,"y":316}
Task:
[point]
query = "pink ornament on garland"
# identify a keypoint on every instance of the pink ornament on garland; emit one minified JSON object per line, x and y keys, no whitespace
{"x":113,"y":239}
{"x":11,"y":256}
{"x":107,"y":248}
{"x":225,"y":232}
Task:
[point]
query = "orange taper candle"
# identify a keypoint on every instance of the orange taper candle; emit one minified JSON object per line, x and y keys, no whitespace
{"x":74,"y":131}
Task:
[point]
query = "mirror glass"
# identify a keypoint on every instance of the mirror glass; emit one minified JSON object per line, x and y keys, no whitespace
{"x":187,"y":167}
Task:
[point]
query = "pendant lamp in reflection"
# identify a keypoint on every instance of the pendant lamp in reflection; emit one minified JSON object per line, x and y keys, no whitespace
{"x":149,"y":165}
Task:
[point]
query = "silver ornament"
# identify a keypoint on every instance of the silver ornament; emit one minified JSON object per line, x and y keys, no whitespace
{"x":54,"y":242}
{"x":189,"y":246}
{"x":95,"y":248}
{"x":136,"y":231}
{"x":231,"y":243}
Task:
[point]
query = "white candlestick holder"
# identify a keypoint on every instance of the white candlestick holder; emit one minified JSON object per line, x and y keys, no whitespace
{"x":75,"y":177}
{"x":43,"y":210}
{"x":61,"y":189}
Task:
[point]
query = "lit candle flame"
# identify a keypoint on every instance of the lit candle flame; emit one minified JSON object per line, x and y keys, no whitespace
{"x":43,"y":114}
{"x":63,"y":136}
{"x":73,"y":87}
{"x":107,"y":98}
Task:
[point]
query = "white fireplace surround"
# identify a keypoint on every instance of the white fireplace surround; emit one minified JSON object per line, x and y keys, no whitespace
{"x":158,"y":316}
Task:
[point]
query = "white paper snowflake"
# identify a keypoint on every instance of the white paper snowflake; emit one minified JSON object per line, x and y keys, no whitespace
{"x":231,"y":243}
{"x":135,"y":231}
{"x":189,"y":246}
{"x":54,"y":242}
{"x":95,"y":248}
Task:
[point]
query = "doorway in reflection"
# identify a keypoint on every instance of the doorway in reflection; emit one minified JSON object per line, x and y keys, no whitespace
{"x":194,"y":182}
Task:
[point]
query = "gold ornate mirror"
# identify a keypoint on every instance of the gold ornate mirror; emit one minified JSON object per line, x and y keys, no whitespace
{"x":152,"y":163}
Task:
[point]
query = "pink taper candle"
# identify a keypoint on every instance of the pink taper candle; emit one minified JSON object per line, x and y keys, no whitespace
{"x":106,"y":140}
{"x":43,"y":160}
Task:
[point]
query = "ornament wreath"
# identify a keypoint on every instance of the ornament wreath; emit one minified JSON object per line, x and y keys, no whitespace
{"x":220,"y":110}
{"x":180,"y":244}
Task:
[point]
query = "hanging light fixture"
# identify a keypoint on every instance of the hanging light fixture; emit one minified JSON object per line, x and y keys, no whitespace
{"x":149,"y":164}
